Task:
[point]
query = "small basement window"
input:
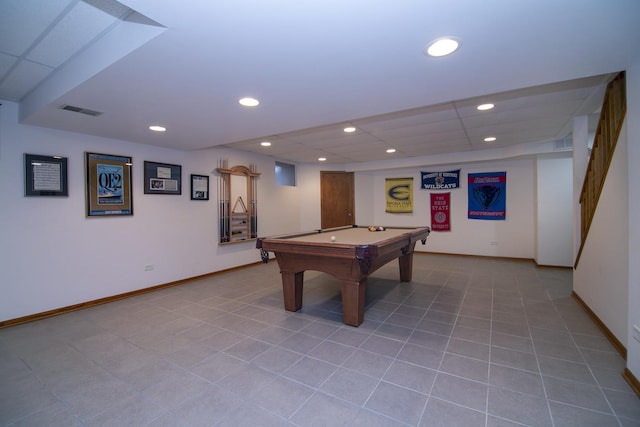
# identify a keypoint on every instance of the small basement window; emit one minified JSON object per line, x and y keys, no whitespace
{"x":285,"y":174}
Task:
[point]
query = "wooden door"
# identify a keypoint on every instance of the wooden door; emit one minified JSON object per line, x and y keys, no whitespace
{"x":336,"y":199}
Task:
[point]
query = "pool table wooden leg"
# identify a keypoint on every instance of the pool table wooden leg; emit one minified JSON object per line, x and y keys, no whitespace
{"x":353,"y":296}
{"x":292,"y":290}
{"x":406,"y":267}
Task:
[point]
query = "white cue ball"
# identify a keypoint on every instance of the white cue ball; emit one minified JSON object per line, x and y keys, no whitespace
{"x":333,"y":238}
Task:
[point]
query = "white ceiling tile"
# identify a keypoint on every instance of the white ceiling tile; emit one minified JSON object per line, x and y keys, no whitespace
{"x":23,"y":21}
{"x":77,"y":29}
{"x":420,"y":116}
{"x":533,"y":124}
{"x":427,"y":138}
{"x":359,"y":148}
{"x":350,"y":140}
{"x":565,"y":109}
{"x":420,"y":129}
{"x":6,"y":62}
{"x":23,"y":79}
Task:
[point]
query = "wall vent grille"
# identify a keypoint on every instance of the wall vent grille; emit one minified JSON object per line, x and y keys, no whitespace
{"x":565,"y":144}
{"x":80,"y":110}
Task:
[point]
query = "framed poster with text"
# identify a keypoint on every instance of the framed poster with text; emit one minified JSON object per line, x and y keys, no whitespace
{"x":162,"y":178}
{"x":108,"y":185}
{"x":45,"y":175}
{"x":199,"y":187}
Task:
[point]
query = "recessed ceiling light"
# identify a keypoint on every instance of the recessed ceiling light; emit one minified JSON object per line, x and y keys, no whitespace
{"x":490,"y":139}
{"x":265,"y":144}
{"x":249,"y":102}
{"x":156,"y":128}
{"x":442,"y":47}
{"x":322,"y":159}
{"x":484,"y":107}
{"x":349,"y":129}
{"x":391,"y":150}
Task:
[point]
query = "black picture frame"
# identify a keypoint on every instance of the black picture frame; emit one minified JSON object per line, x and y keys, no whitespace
{"x":162,"y":178}
{"x":199,"y":187}
{"x":108,"y":185}
{"x":45,"y":175}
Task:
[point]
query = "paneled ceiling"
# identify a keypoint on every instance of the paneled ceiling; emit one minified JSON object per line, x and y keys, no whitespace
{"x":315,"y":68}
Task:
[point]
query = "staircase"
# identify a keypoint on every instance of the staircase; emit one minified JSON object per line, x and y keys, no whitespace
{"x":614,"y":108}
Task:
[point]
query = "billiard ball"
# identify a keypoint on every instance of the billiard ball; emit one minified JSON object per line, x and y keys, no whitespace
{"x":333,"y":238}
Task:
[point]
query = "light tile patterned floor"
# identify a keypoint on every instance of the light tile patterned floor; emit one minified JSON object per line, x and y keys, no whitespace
{"x":469,"y":342}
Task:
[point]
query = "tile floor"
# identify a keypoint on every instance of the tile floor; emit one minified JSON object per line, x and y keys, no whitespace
{"x":469,"y":342}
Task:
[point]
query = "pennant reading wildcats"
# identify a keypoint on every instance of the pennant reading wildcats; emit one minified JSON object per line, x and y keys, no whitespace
{"x":399,"y":195}
{"x":440,"y":180}
{"x":487,"y":195}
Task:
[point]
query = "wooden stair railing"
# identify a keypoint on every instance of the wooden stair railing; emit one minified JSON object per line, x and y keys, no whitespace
{"x":614,"y":108}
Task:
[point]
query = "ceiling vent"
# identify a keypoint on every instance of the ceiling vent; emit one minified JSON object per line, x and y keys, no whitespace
{"x":565,"y":144}
{"x":80,"y":110}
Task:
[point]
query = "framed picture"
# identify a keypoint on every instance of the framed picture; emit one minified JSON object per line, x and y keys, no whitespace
{"x":45,"y":175}
{"x":108,"y":184}
{"x":199,"y":187}
{"x":161,"y":178}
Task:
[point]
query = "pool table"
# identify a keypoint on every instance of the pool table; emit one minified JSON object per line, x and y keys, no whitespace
{"x":349,"y":253}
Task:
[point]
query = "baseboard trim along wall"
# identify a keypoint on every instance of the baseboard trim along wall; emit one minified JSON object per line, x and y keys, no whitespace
{"x":87,"y":304}
{"x":607,"y":333}
{"x":632,"y":380}
{"x":105,"y":300}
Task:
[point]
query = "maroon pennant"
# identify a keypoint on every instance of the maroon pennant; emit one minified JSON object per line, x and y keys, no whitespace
{"x":440,"y":203}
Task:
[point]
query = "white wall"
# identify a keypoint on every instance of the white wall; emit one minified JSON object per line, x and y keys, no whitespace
{"x":52,"y":256}
{"x":554,"y":219}
{"x":365,"y":189}
{"x":601,"y":276}
{"x":513,"y":237}
{"x":309,"y":206}
{"x":633,"y":253}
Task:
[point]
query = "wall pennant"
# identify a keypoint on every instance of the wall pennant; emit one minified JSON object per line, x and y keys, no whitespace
{"x":488,"y":195}
{"x":399,"y":195}
{"x":440,"y":211}
{"x":440,"y":180}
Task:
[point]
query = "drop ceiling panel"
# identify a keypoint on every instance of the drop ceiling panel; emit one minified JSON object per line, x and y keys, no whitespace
{"x":351,"y":140}
{"x":441,"y":127}
{"x":408,"y":118}
{"x":535,"y":95}
{"x":534,"y":125}
{"x":422,"y":143}
{"x":316,"y":134}
{"x":428,"y":138}
{"x":440,"y":149}
{"x":281,"y":149}
{"x":312,"y":156}
{"x":359,"y":148}
{"x":23,"y":21}
{"x":83,"y":23}
{"x":22,"y":79}
{"x":6,"y":62}
{"x":552,"y":111}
